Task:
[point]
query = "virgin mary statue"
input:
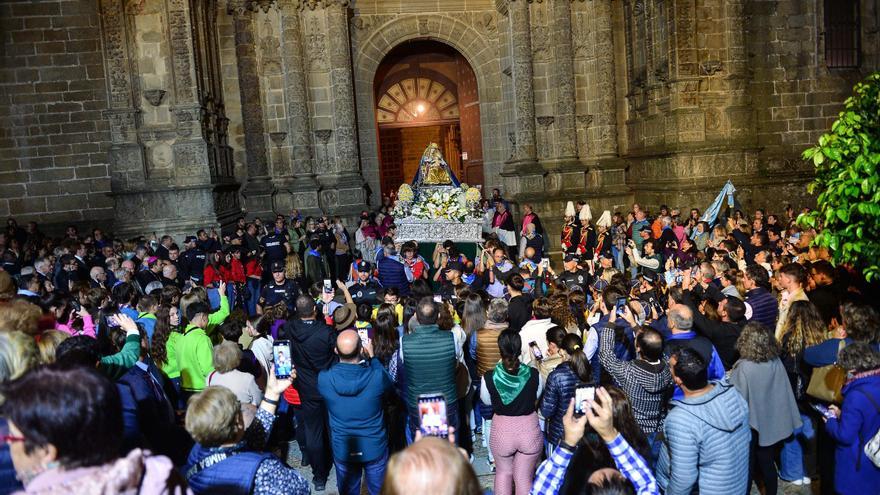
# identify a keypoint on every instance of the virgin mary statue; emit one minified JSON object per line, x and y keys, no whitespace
{"x":433,"y":169}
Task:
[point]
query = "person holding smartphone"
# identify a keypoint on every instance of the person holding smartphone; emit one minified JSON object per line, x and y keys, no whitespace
{"x":353,"y":390}
{"x":312,"y":346}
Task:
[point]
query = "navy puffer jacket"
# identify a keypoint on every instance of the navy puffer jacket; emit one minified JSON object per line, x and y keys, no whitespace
{"x":558,"y":392}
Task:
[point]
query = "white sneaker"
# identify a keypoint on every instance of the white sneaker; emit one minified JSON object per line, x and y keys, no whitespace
{"x":799,"y":482}
{"x":806,"y":480}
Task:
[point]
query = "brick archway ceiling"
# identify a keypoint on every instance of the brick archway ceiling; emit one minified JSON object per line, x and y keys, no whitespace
{"x":417,"y":99}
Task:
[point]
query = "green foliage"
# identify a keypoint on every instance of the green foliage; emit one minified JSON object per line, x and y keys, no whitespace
{"x":847,"y":161}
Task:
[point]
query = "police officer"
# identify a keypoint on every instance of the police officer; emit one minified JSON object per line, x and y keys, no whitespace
{"x":276,"y":247}
{"x":192,"y":261}
{"x":574,"y":277}
{"x":365,"y":289}
{"x":278,"y":290}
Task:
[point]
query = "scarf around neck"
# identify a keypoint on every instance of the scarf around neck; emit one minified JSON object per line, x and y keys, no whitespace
{"x":509,"y":386}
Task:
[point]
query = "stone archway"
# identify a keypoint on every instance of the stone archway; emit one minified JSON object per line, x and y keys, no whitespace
{"x":375,"y":36}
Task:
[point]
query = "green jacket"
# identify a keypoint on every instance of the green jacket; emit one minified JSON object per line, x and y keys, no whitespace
{"x":194,"y":358}
{"x":170,"y":368}
{"x":116,"y":365}
{"x":429,"y":360}
{"x":216,"y":318}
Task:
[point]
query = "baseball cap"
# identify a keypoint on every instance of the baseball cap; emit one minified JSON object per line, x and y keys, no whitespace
{"x":363,"y":266}
{"x":456,"y":265}
{"x":189,"y":239}
{"x":649,"y":276}
{"x":644,"y":228}
{"x":600,"y":284}
{"x":572,"y":257}
{"x":277,"y":266}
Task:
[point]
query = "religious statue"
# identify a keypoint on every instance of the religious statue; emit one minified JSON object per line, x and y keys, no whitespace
{"x":433,"y":169}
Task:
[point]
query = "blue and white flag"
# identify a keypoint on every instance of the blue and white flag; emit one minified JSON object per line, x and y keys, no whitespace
{"x":711,"y":214}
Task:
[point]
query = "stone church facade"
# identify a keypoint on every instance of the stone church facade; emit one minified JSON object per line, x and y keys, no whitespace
{"x":170,"y":115}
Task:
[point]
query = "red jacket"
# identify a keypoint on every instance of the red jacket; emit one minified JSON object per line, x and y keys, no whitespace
{"x":253,"y":268}
{"x":212,"y":275}
{"x":234,"y":272}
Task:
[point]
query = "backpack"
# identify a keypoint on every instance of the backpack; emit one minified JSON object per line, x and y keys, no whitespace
{"x":872,"y":448}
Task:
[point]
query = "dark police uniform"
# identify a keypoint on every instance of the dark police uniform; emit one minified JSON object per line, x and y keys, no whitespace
{"x":579,"y":279}
{"x":272,"y":294}
{"x":273,"y":244}
{"x":192,"y":264}
{"x":365,"y":292}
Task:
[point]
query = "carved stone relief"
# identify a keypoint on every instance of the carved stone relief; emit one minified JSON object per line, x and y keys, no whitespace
{"x":270,"y":46}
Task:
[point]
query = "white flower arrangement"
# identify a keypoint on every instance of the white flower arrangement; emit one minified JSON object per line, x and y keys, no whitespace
{"x":438,"y":205}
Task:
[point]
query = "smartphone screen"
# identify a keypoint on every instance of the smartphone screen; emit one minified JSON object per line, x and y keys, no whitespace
{"x":281,"y":358}
{"x":432,"y":415}
{"x":328,"y":285}
{"x":545,"y":262}
{"x":582,"y":398}
{"x":438,"y":299}
{"x":364,"y":334}
{"x":536,"y":351}
{"x":822,"y":409}
{"x":620,"y":306}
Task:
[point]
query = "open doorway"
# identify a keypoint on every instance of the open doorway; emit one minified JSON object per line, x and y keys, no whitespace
{"x":426,"y":92}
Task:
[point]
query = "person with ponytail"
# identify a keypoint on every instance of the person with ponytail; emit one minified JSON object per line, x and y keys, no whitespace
{"x":515,"y":440}
{"x":574,"y":371}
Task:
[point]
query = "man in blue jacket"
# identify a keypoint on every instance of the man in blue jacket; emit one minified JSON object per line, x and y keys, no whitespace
{"x":353,"y":390}
{"x":707,"y":433}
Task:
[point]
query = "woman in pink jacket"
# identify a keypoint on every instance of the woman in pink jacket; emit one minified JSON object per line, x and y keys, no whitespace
{"x":70,"y":317}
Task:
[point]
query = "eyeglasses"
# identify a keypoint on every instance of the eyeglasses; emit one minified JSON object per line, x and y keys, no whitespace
{"x":7,"y":439}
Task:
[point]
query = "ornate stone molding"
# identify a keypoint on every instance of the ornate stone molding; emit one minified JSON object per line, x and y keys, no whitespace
{"x":524,"y":96}
{"x":116,"y":53}
{"x":563,"y":77}
{"x":296,"y":93}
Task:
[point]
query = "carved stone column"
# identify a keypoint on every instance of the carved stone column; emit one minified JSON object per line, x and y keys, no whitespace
{"x":343,"y":189}
{"x":258,"y":189}
{"x":147,"y":199}
{"x":563,"y":78}
{"x":524,"y":95}
{"x":603,"y":131}
{"x":301,"y":190}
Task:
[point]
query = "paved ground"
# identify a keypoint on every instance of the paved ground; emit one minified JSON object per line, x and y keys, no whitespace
{"x":487,"y":478}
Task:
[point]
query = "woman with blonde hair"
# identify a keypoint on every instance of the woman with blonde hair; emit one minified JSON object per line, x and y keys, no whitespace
{"x":18,"y":354}
{"x":293,"y":267}
{"x":214,"y":419}
{"x":430,"y":465}
{"x":20,"y":316}
{"x":226,"y":359}
{"x":47,"y":344}
{"x":803,"y":328}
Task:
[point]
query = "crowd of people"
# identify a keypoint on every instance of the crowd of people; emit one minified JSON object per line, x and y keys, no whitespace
{"x":670,"y":354}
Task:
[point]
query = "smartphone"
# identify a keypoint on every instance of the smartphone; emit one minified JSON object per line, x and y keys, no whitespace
{"x":823,"y":410}
{"x":620,"y":306}
{"x":438,"y":299}
{"x":364,"y":334}
{"x":432,"y":415}
{"x":545,"y":263}
{"x":112,"y":322}
{"x":281,"y":358}
{"x":582,"y":398}
{"x":536,"y":351}
{"x":328,"y":285}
